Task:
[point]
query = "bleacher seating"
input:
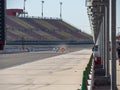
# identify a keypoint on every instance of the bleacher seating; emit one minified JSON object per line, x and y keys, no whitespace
{"x":45,"y":24}
{"x":12,"y":36}
{"x":35,"y":29}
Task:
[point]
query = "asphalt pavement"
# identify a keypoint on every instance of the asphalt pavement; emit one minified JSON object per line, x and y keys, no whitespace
{"x":61,"y":72}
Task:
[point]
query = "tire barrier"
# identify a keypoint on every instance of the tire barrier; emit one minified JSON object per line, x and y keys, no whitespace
{"x":88,"y":76}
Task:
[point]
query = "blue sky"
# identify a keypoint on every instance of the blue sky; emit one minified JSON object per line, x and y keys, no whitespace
{"x":73,"y":11}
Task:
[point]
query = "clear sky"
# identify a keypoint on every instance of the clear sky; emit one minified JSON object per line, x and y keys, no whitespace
{"x":73,"y":11}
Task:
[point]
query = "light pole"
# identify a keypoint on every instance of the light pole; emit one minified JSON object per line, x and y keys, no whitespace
{"x":60,"y":10}
{"x":42,"y":9}
{"x":24,"y":8}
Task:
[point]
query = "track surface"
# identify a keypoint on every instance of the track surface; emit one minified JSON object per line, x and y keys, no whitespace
{"x":10,"y":60}
{"x":62,"y":72}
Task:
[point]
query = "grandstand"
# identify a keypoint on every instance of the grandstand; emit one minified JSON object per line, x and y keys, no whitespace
{"x":43,"y":31}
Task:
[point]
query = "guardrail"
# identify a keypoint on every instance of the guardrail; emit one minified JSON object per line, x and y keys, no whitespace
{"x":88,"y":76}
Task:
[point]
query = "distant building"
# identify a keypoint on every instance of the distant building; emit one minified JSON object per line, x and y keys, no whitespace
{"x":15,"y":12}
